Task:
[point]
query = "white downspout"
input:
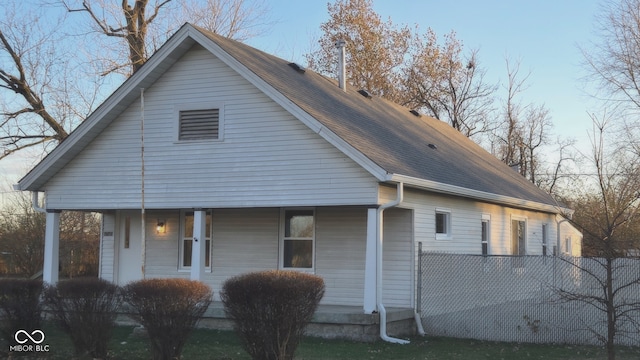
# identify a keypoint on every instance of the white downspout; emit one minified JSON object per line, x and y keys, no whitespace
{"x":36,"y":205}
{"x":381,"y":309}
{"x":558,"y":239}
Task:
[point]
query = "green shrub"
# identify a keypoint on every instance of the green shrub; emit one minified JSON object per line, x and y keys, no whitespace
{"x":20,"y":307}
{"x":86,"y":309}
{"x":271,"y":309}
{"x":169,"y":310}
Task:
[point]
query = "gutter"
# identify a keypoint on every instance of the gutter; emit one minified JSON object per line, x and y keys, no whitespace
{"x":449,"y":189}
{"x":35,"y":203}
{"x":381,"y":309}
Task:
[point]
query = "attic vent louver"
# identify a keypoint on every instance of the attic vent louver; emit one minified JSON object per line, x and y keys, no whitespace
{"x":297,"y":67}
{"x":199,"y":124}
{"x":365,"y":93}
{"x":416,"y":113}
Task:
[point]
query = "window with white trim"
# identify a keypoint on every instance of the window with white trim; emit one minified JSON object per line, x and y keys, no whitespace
{"x":298,"y":239}
{"x":518,"y":236}
{"x":443,"y":224}
{"x":186,"y":240}
{"x":485,"y":234}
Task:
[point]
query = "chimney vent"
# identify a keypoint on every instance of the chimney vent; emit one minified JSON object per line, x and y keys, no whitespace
{"x":342,"y":66}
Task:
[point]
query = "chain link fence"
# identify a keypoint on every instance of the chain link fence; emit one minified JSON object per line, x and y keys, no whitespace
{"x":535,"y":299}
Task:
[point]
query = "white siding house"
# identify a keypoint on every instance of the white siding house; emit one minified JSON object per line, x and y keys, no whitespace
{"x":249,"y":163}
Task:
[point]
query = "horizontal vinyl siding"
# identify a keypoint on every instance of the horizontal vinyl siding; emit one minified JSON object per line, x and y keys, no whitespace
{"x":466,"y":218}
{"x":266,"y":158}
{"x":397,"y":258}
{"x":340,"y":253}
{"x":107,"y":246}
{"x":244,"y":240}
{"x":162,"y":250}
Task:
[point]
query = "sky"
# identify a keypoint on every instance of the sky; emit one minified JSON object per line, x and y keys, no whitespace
{"x":545,"y":36}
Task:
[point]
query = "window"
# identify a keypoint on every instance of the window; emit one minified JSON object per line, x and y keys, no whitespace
{"x":200,"y":124}
{"x":443,"y":224}
{"x":544,"y":240}
{"x":186,"y":240}
{"x":518,"y":237}
{"x":567,"y":245}
{"x":298,"y":239}
{"x":127,"y":232}
{"x":485,"y":234}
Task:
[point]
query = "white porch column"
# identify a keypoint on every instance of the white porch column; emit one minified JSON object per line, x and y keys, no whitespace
{"x":370,"y":262}
{"x":199,"y":244}
{"x":51,"y":248}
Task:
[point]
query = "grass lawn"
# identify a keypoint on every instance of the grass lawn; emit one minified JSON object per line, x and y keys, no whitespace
{"x":224,"y":345}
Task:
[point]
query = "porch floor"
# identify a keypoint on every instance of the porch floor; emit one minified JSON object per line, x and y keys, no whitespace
{"x":329,"y":321}
{"x":336,"y":321}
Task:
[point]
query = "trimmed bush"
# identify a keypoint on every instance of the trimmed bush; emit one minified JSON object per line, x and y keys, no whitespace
{"x":20,"y":307}
{"x":169,"y":310}
{"x":271,"y":309}
{"x":86,"y":309}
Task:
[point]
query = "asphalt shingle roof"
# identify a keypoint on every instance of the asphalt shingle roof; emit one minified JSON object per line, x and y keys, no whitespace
{"x":386,"y":133}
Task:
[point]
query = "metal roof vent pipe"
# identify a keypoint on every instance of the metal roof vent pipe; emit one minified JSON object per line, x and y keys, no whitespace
{"x":342,"y":65}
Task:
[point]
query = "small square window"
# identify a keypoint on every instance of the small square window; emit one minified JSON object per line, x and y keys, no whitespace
{"x":443,"y":224}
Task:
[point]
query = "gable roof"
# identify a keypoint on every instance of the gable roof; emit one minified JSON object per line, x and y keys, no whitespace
{"x":384,"y":138}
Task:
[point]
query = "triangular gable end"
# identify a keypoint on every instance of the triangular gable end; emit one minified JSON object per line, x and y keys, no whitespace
{"x":129,"y":91}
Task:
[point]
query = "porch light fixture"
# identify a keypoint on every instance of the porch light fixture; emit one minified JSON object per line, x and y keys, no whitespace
{"x":161,"y":228}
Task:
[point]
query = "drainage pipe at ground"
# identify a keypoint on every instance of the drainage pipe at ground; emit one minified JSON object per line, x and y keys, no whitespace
{"x":381,"y":309}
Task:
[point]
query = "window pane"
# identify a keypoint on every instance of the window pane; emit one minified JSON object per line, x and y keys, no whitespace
{"x":485,"y":237}
{"x":186,"y":253}
{"x":298,"y":254}
{"x":207,"y":255}
{"x":298,"y":224}
{"x":518,"y":237}
{"x":188,"y":224}
{"x":441,"y":223}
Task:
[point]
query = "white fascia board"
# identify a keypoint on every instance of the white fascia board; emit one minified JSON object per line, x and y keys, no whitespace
{"x":131,"y":87}
{"x":374,"y":169}
{"x":443,"y":188}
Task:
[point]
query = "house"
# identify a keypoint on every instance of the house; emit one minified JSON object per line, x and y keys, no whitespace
{"x":241,"y":161}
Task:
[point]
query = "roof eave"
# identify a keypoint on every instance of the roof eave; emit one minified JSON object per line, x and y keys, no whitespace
{"x":448,"y":189}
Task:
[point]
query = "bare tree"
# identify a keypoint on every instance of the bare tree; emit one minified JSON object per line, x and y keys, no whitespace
{"x":22,"y":239}
{"x":34,"y":72}
{"x":142,"y":27}
{"x":608,"y":216}
{"x":375,"y":50}
{"x":524,"y":129}
{"x":612,"y":62}
{"x":448,"y":86}
{"x":612,"y":59}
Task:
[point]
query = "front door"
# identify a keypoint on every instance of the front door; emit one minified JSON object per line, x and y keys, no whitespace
{"x":129,"y":247}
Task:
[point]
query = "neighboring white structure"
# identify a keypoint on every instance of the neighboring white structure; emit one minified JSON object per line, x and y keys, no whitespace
{"x":248,"y":162}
